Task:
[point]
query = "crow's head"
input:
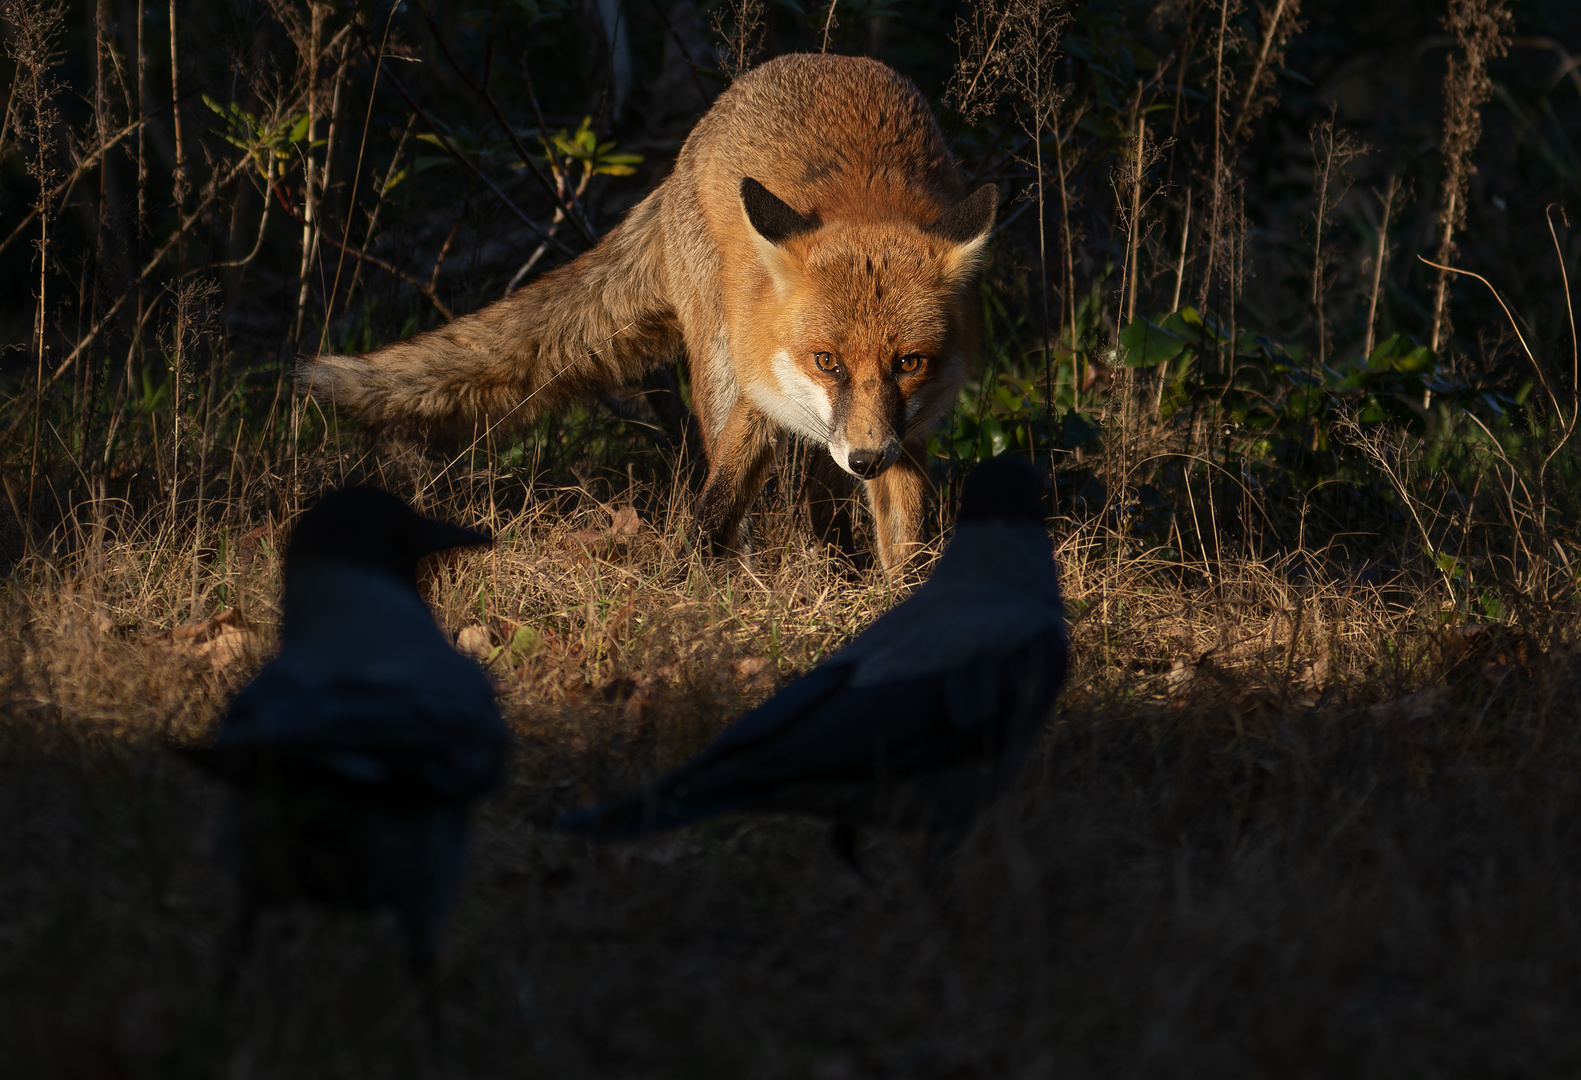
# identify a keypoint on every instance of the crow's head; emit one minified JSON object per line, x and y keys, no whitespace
{"x":371,"y":528}
{"x":1004,"y":488}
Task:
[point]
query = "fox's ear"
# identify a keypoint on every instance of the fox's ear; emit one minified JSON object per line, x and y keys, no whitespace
{"x":773,"y":223}
{"x":967,"y":225}
{"x":773,"y":219}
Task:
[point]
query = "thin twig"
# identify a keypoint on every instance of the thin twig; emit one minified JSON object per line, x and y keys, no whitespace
{"x":482,"y":91}
{"x":1508,"y":315}
{"x":362,"y":256}
{"x":1378,"y":261}
{"x":1564,"y":276}
{"x":1270,"y":31}
{"x":686,"y":54}
{"x":76,"y":174}
{"x":356,"y":177}
{"x":466,"y":162}
{"x":143,"y":277}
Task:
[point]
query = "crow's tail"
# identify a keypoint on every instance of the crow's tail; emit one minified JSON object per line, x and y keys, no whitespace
{"x":647,"y":810}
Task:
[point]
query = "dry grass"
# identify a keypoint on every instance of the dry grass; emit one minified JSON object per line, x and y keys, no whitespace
{"x":1241,"y":849}
{"x":1285,"y":823}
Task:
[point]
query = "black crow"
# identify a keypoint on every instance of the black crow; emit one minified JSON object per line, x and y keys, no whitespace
{"x":356,"y":754}
{"x":916,"y":723}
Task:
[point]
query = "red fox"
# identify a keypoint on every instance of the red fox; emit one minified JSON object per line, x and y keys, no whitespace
{"x":814,"y":254}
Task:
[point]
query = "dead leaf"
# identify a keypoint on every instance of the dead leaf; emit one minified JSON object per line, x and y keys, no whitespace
{"x":473,"y":641}
{"x":624,"y":522}
{"x":247,"y":543}
{"x":231,"y":645}
{"x":1417,"y":706}
{"x":204,"y":629}
{"x":223,"y":640}
{"x":1179,"y":675}
{"x":748,"y":666}
{"x":1259,"y":704}
{"x":757,"y":673}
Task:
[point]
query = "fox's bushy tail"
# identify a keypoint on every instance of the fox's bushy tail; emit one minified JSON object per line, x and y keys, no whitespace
{"x":595,"y":324}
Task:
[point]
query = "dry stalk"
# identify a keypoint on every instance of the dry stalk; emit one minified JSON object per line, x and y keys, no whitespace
{"x":1379,"y":258}
{"x":1278,"y":27}
{"x":1174,"y":303}
{"x":310,"y":63}
{"x":1333,"y":150}
{"x":556,"y":189}
{"x":180,"y":180}
{"x":742,"y":30}
{"x":216,"y":185}
{"x":1017,"y":58}
{"x":1180,"y":263}
{"x":36,"y":28}
{"x":1068,"y":242}
{"x":1127,"y":182}
{"x":378,"y":202}
{"x":1575,"y":344}
{"x":1481,"y":29}
{"x":1225,"y":41}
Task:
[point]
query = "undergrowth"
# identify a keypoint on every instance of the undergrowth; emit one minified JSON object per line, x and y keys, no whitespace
{"x":1308,"y":804}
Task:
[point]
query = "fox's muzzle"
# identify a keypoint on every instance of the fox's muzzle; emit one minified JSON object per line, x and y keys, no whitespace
{"x":868,"y":462}
{"x":868,"y":414}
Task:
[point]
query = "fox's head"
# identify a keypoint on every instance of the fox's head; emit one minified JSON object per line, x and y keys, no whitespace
{"x":868,"y":340}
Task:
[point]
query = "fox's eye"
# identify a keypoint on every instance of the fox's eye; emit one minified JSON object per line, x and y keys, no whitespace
{"x":909,"y":364}
{"x":826,"y":361}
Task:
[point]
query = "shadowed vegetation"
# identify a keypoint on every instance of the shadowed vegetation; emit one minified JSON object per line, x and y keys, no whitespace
{"x":1308,"y":806}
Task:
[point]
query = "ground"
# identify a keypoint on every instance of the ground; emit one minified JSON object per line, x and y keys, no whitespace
{"x":1276,"y":828}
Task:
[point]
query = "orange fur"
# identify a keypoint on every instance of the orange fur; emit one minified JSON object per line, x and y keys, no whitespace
{"x":813,"y":215}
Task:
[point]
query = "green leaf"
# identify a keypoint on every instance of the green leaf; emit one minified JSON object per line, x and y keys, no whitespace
{"x":1418,"y":361}
{"x":1382,"y":356}
{"x":525,"y":641}
{"x":1147,"y":344}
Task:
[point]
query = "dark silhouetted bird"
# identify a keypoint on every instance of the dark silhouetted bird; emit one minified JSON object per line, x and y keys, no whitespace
{"x":356,"y":754}
{"x":916,"y":723}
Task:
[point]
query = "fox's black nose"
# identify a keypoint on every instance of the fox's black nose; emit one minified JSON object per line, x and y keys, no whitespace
{"x":867,"y":463}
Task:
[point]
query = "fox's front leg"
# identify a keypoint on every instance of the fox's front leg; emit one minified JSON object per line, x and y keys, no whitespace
{"x":738,"y":464}
{"x":828,"y":493}
{"x":899,"y":497}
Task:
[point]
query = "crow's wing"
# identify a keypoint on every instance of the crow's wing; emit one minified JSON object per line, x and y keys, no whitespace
{"x":945,"y":639}
{"x":895,"y":727}
{"x":964,"y":669}
{"x":822,"y":730}
{"x":371,"y":692}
